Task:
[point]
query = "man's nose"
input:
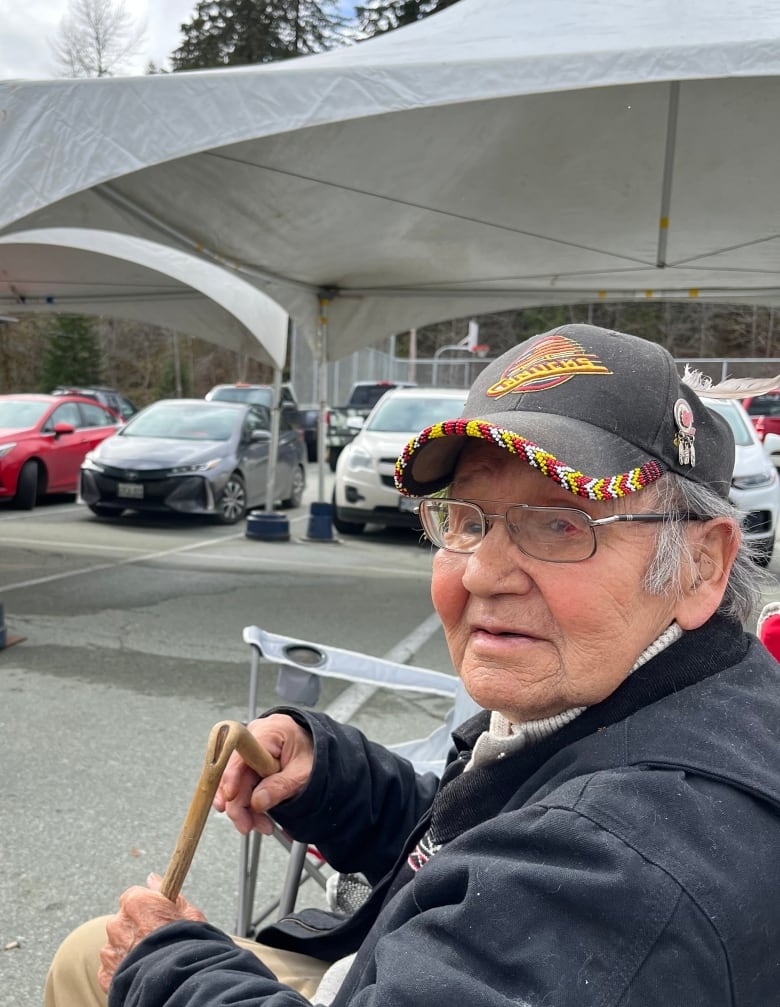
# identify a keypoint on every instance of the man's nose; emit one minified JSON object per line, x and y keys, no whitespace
{"x":496,"y":565}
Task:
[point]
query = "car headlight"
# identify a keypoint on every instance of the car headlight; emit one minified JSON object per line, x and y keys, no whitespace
{"x":360,"y":459}
{"x":183,"y":470}
{"x":755,"y":481}
{"x":5,"y":448}
{"x":90,"y":462}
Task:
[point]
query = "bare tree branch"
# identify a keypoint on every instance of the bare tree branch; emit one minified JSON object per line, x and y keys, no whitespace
{"x":97,"y":38}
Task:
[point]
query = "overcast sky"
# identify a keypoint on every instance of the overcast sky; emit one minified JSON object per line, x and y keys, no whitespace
{"x":26,"y":27}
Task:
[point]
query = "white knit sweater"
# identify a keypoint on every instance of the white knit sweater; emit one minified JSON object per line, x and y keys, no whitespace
{"x":503,"y":736}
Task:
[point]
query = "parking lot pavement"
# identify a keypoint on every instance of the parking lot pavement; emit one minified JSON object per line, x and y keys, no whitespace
{"x":132,"y":650}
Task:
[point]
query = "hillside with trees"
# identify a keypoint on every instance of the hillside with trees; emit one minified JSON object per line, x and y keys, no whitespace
{"x":147,"y":363}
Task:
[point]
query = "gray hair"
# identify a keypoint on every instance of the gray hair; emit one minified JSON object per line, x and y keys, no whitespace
{"x":670,"y":566}
{"x":672,"y":562}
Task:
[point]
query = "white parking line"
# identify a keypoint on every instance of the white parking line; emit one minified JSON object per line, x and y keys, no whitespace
{"x":247,"y":559}
{"x":346,"y":704}
{"x":65,"y":509}
{"x":145,"y":557}
{"x":70,"y":546}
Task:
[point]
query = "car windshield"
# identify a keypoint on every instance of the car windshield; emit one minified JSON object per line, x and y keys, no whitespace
{"x":735,"y":420}
{"x":197,"y":422}
{"x":764,"y":405}
{"x":410,"y":415}
{"x":20,"y":414}
{"x":257,"y":396}
{"x":368,"y":395}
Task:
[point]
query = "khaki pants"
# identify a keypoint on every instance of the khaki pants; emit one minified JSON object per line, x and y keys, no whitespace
{"x":72,"y":979}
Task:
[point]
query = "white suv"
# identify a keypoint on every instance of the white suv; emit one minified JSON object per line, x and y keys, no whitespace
{"x":364,"y":491}
{"x":755,"y":489}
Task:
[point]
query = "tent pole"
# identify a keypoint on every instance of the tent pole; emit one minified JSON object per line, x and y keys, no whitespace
{"x":273,"y":446}
{"x":269,"y":525}
{"x":668,"y":176}
{"x":322,"y":361}
{"x":321,"y":512}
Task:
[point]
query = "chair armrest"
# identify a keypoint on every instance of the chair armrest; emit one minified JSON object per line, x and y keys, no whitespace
{"x":353,"y":666}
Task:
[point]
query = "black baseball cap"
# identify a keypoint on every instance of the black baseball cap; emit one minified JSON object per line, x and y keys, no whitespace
{"x":600,"y":412}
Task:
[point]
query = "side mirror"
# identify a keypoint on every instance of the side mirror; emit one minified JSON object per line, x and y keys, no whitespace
{"x":63,"y":428}
{"x":355,"y":423}
{"x":772,"y":447}
{"x":260,"y":435}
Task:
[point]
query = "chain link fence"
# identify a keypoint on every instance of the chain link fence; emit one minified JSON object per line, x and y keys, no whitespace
{"x":459,"y":369}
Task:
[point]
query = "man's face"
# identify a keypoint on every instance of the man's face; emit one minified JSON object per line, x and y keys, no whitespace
{"x":531,"y":638}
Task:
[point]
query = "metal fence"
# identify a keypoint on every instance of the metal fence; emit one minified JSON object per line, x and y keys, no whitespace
{"x":460,"y":370}
{"x":378,"y":365}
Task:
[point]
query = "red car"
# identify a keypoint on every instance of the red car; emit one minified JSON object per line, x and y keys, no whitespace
{"x":764,"y":411}
{"x":43,"y":440}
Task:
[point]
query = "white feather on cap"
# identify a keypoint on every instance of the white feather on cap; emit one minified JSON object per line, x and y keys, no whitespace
{"x":731,"y":388}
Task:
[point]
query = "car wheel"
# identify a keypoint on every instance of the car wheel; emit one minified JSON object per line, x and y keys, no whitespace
{"x":100,"y":510}
{"x":232,"y":503}
{"x":27,"y":487}
{"x":296,"y":489}
{"x":311,"y":451}
{"x":345,"y":527}
{"x":333,"y":457}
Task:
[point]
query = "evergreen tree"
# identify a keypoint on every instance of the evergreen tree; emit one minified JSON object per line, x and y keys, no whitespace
{"x":310,"y":26}
{"x":379,"y":16}
{"x":240,"y":32}
{"x":72,"y":352}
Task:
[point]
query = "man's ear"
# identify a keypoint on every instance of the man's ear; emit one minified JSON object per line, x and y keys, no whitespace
{"x":714,"y":545}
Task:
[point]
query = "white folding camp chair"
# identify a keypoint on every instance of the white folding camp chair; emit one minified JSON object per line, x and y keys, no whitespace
{"x":301,"y":665}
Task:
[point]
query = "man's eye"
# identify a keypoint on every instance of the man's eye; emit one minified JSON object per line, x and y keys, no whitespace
{"x":553,"y":526}
{"x":561,"y":526}
{"x":465,"y":524}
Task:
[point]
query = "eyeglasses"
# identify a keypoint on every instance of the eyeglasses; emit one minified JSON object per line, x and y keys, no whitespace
{"x":553,"y":534}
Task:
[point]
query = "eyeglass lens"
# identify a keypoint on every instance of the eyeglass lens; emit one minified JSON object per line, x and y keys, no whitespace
{"x":555,"y":534}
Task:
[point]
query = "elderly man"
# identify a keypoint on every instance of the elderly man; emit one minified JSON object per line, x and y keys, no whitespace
{"x":607,"y":831}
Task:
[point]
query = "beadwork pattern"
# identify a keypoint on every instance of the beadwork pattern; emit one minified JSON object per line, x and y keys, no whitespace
{"x":581,"y":485}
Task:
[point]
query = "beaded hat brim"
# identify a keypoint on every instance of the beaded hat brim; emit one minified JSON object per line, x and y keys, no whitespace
{"x":428,"y":461}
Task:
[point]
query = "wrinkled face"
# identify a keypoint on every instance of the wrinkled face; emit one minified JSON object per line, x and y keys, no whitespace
{"x":531,"y":638}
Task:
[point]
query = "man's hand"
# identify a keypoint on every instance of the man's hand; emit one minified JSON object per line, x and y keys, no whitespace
{"x":141,"y":910}
{"x":244,"y":797}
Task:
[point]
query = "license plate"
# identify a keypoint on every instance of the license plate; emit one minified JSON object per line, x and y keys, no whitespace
{"x":407,"y":503}
{"x":134,"y":490}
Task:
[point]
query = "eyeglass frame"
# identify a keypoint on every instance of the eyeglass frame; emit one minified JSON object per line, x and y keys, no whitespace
{"x":592,"y":523}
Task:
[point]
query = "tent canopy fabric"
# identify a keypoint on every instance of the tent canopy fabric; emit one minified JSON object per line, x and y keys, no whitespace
{"x":501,"y":153}
{"x":76,"y":270}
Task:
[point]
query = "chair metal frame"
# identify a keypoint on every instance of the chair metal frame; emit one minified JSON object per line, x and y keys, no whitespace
{"x":301,"y":658}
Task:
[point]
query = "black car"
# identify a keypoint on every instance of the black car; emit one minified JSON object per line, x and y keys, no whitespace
{"x":307,"y":417}
{"x":105,"y":396}
{"x":193,"y":457}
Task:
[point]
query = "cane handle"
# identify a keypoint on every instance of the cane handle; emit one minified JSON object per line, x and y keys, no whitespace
{"x":225,"y":737}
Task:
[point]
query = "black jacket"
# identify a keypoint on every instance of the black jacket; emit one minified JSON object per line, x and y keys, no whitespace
{"x":631,"y":859}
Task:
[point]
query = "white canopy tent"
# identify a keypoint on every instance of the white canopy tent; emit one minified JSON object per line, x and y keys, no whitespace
{"x":77,"y":270}
{"x":498,"y":154}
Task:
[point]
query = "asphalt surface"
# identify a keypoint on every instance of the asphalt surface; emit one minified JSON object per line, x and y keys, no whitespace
{"x":132,"y":649}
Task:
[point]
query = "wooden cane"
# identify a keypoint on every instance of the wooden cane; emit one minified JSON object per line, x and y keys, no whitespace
{"x":225,"y":737}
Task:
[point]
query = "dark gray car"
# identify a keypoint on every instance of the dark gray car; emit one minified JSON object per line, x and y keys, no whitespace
{"x":193,"y":457}
{"x":105,"y":396}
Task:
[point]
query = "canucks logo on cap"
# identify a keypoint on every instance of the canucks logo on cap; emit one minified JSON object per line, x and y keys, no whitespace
{"x":550,"y":362}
